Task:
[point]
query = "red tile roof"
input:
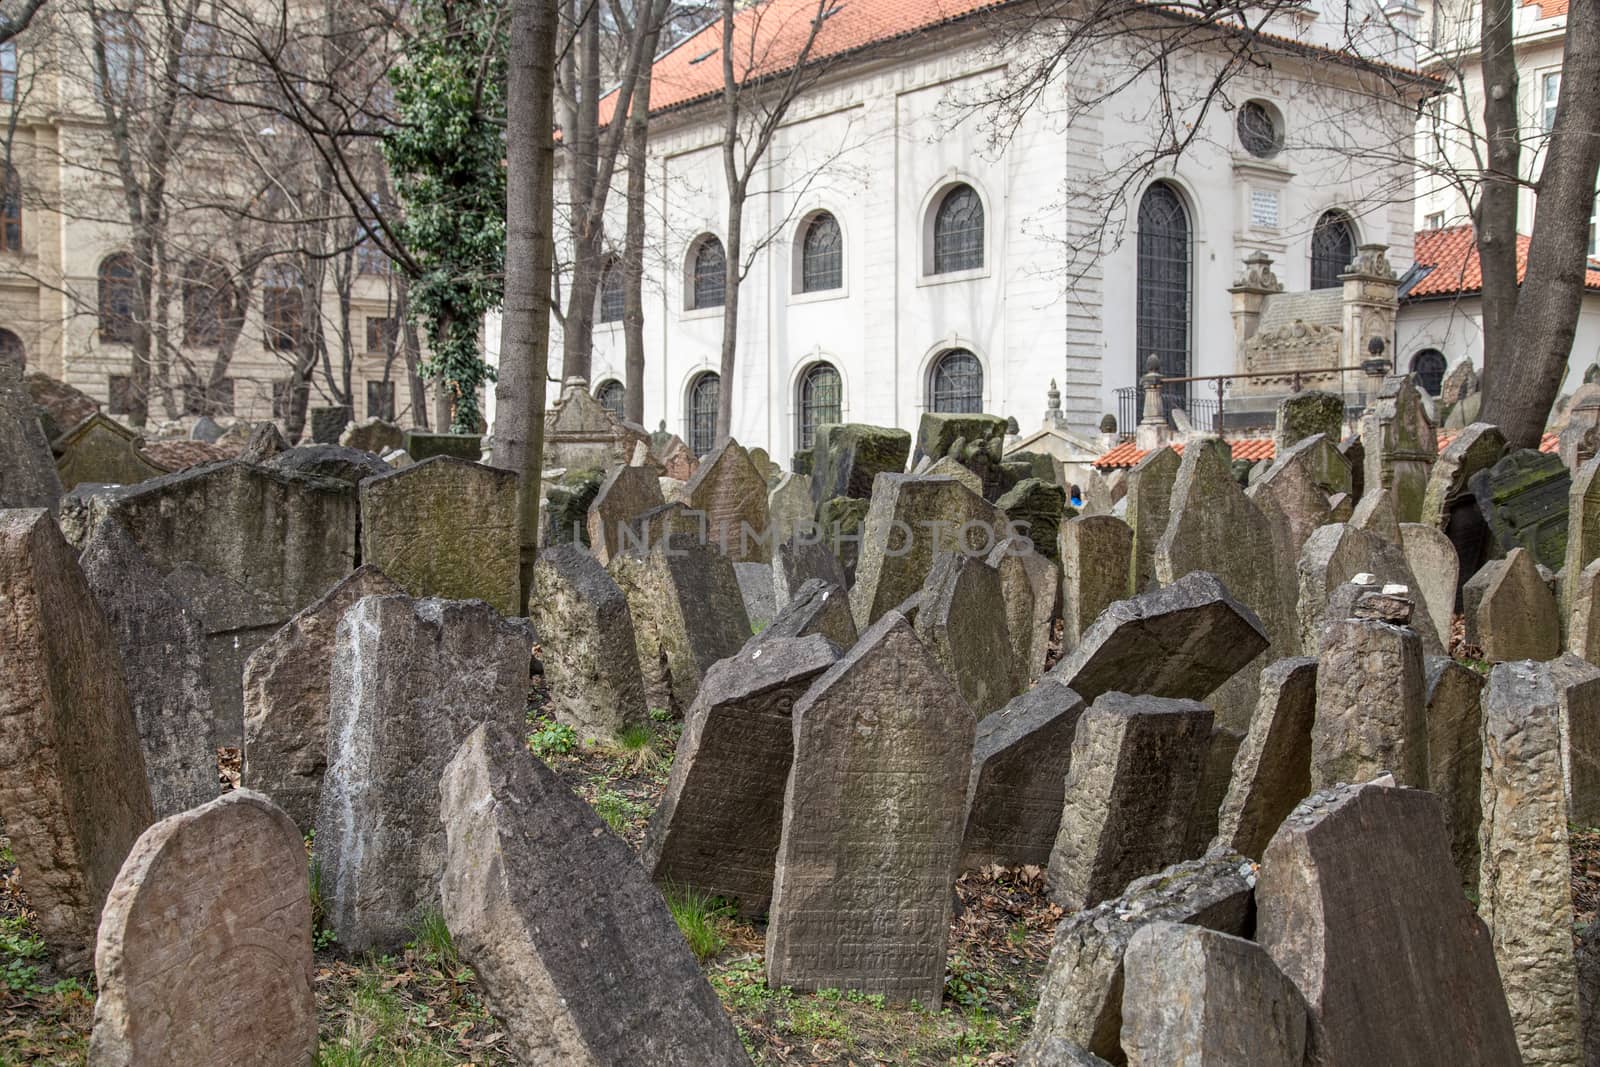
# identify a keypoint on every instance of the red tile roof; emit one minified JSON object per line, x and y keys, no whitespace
{"x":1256,"y":449}
{"x":1548,"y":9}
{"x":1453,"y":254}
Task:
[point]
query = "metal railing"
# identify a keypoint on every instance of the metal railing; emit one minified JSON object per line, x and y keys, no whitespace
{"x":1216,"y":414}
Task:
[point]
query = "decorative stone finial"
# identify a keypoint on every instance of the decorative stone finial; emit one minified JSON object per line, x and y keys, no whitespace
{"x":1258,"y":274}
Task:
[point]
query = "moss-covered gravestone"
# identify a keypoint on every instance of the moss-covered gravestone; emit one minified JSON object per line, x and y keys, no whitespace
{"x":845,"y":458}
{"x":567,"y":504}
{"x":1306,"y":414}
{"x":1400,"y":445}
{"x":1476,"y":448}
{"x":1523,"y":499}
{"x":421,"y":445}
{"x":101,"y":450}
{"x":1149,"y":507}
{"x":731,"y":492}
{"x":1037,"y":508}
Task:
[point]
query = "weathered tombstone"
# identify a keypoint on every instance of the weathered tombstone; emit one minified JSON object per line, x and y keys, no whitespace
{"x":789,"y":507}
{"x":1583,"y":623}
{"x":950,"y":467}
{"x":61,"y":406}
{"x":421,"y":445}
{"x":580,"y":433}
{"x":373,"y":435}
{"x":627,"y":493}
{"x":910,"y":521}
{"x":204,"y":950}
{"x":756,"y":587}
{"x":1583,"y":526}
{"x":1036,"y":509}
{"x":732,"y":494}
{"x":696,"y":610}
{"x":1019,"y":766}
{"x":799,"y":560}
{"x":446,"y":528}
{"x":535,"y":891}
{"x":1272,"y":770}
{"x":410,"y":679}
{"x":1510,"y":612}
{"x":1433,"y":563}
{"x":263,"y":441}
{"x":329,"y":461}
{"x":1523,"y":501}
{"x":286,"y":699}
{"x":1149,"y":508}
{"x":1371,"y":714}
{"x":1096,"y":554}
{"x":1080,"y":995}
{"x":162,"y":642}
{"x":1476,"y":448}
{"x":1057,"y":1052}
{"x":1181,"y":640}
{"x":1297,"y":493}
{"x":1578,"y":696}
{"x":642,"y":584}
{"x":717,"y":827}
{"x":1375,"y":514}
{"x":1399,"y":446}
{"x":1306,"y":414}
{"x":841,"y":520}
{"x":564,"y":515}
{"x":1455,"y":756}
{"x":1356,"y":877}
{"x":763,"y":463}
{"x":588,"y":645}
{"x":207,"y":429}
{"x":1131,"y":783}
{"x":1216,"y":775}
{"x":872,"y":824}
{"x":73,"y":793}
{"x":962,"y":620}
{"x":1031,"y":586}
{"x":327,"y":424}
{"x":1332,"y":556}
{"x":1193,"y":997}
{"x":938,"y":432}
{"x":847,"y":457}
{"x":28,"y":477}
{"x":1458,"y":384}
{"x":103,"y":451}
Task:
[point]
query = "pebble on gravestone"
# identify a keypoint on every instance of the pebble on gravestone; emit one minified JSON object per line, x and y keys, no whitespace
{"x":286,"y":700}
{"x":1031,"y":587}
{"x":1149,"y":508}
{"x":1130,"y":787}
{"x":1080,"y":994}
{"x":1510,"y":613}
{"x":1019,"y":765}
{"x":410,"y":679}
{"x":1272,"y":771}
{"x":1181,"y":640}
{"x":73,"y":792}
{"x":204,"y":950}
{"x":587,"y":645}
{"x":1356,"y":878}
{"x":962,"y":621}
{"x":1194,"y":997}
{"x":1332,"y":555}
{"x":1371,"y":713}
{"x":1455,"y":756}
{"x":1096,"y":553}
{"x":872,"y":824}
{"x":717,"y":827}
{"x":536,"y":891}
{"x":817,"y":607}
{"x":732,"y":494}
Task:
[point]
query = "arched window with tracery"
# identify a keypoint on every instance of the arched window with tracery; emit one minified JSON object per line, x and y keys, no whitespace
{"x":821,"y":255}
{"x":705,"y":397}
{"x":611,"y":395}
{"x":1161,"y":302}
{"x":1333,"y":246}
{"x":821,"y":401}
{"x":708,"y":279}
{"x":955,"y":384}
{"x":958,"y":231}
{"x":610,"y":309}
{"x":1427,"y":367}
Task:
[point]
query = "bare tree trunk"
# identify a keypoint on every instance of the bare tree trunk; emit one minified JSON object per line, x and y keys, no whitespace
{"x":530,"y":199}
{"x":1496,"y":215}
{"x":577,"y":335}
{"x":730,"y":307}
{"x":1534,"y":358}
{"x":411,"y":344}
{"x":633,"y":252}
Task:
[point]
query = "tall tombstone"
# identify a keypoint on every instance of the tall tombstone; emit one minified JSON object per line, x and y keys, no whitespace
{"x":1272,"y":770}
{"x":962,"y":620}
{"x":1371,"y":714}
{"x":410,"y":680}
{"x":578,"y":955}
{"x":800,"y":559}
{"x":1307,"y":414}
{"x":910,"y":520}
{"x":1524,"y":882}
{"x":1332,"y":556}
{"x":204,"y":950}
{"x":648,"y":603}
{"x":1216,"y":775}
{"x":1583,"y":622}
{"x":28,"y":477}
{"x":1301,"y":491}
{"x":732,"y":494}
{"x":1455,"y":756}
{"x":789,"y":507}
{"x":756,"y":588}
{"x":1031,"y":586}
{"x":1149,"y":508}
{"x":872,"y":824}
{"x":1375,"y":513}
{"x":446,"y":527}
{"x":1510,"y":611}
{"x":286,"y":699}
{"x":1358,"y":877}
{"x":1019,"y":765}
{"x":848,"y":457}
{"x":1476,"y":448}
{"x":1523,"y":501}
{"x":1131,"y":783}
{"x":1577,"y":685}
{"x":73,"y":793}
{"x":162,"y":641}
{"x":696,"y":610}
{"x":587,"y":645}
{"x":1036,"y":509}
{"x":1583,"y":527}
{"x":1435,"y":565}
{"x":627,"y":493}
{"x":1096,"y":555}
{"x":1399,"y":445}
{"x":717,"y":827}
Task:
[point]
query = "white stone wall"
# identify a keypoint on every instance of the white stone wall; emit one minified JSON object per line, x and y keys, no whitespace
{"x":1455,"y":328}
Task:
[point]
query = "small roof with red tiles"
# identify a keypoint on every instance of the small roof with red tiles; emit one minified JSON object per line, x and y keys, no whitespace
{"x":1449,"y":258}
{"x":1256,"y":449}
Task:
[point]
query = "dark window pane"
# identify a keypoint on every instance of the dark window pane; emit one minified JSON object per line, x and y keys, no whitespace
{"x":11,"y":212}
{"x":119,"y":298}
{"x":383,"y":334}
{"x":822,"y":256}
{"x":1428,"y":368}
{"x":611,"y":394}
{"x":611,"y":293}
{"x":1258,"y":131}
{"x":958,"y":231}
{"x":957,"y":385}
{"x":710,"y":274}
{"x":205,"y":302}
{"x":1333,"y":246}
{"x":1162,"y":298}
{"x":380,"y":399}
{"x":821,"y":401}
{"x":11,"y":349}
{"x":704,"y":398}
{"x":120,"y":389}
{"x":282,"y":308}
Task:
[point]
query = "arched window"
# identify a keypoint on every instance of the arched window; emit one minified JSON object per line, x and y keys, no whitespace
{"x":611,"y":293}
{"x":821,"y":401}
{"x":1162,"y":297}
{"x":205,"y":302}
{"x":821,"y":255}
{"x":1333,"y":246}
{"x":11,"y":350}
{"x":956,"y":384}
{"x":611,"y":395}
{"x":1427,"y":367}
{"x":705,"y":397}
{"x":958,"y":231}
{"x":11,"y":212}
{"x":119,"y":298}
{"x":708,"y":274}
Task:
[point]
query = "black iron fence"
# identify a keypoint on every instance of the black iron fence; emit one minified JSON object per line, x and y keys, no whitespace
{"x":1225,"y":411}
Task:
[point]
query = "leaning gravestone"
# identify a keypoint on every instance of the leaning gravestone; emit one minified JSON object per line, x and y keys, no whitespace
{"x":204,"y":952}
{"x":1455,"y":756}
{"x":1031,"y":586}
{"x":1036,"y":509}
{"x":536,"y":892}
{"x":73,"y":794}
{"x":447,"y":528}
{"x":1434,"y":564}
{"x":1096,"y":554}
{"x":1303,"y":489}
{"x":962,"y":620}
{"x":799,"y":560}
{"x":1181,"y":640}
{"x":789,"y":506}
{"x":872,"y":824}
{"x":847,"y":457}
{"x":587,"y":645}
{"x":1356,"y":878}
{"x":1149,"y":507}
{"x":696,"y":611}
{"x":410,"y":680}
{"x":817,"y":607}
{"x":756,"y":589}
{"x":732,"y":494}
{"x":286,"y":700}
{"x":1019,"y":765}
{"x":1194,"y":997}
{"x":1476,"y":448}
{"x":717,"y":827}
{"x":1399,"y":446}
{"x":1371,"y":704}
{"x":1510,"y":611}
{"x":1130,"y":786}
{"x":1216,"y":775}
{"x":1523,"y":501}
{"x":1272,"y":770}
{"x":28,"y":477}
{"x":162,"y":641}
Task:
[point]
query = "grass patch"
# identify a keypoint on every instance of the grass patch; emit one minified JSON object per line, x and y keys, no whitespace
{"x":619,"y":812}
{"x":700,"y":918}
{"x":431,"y":936}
